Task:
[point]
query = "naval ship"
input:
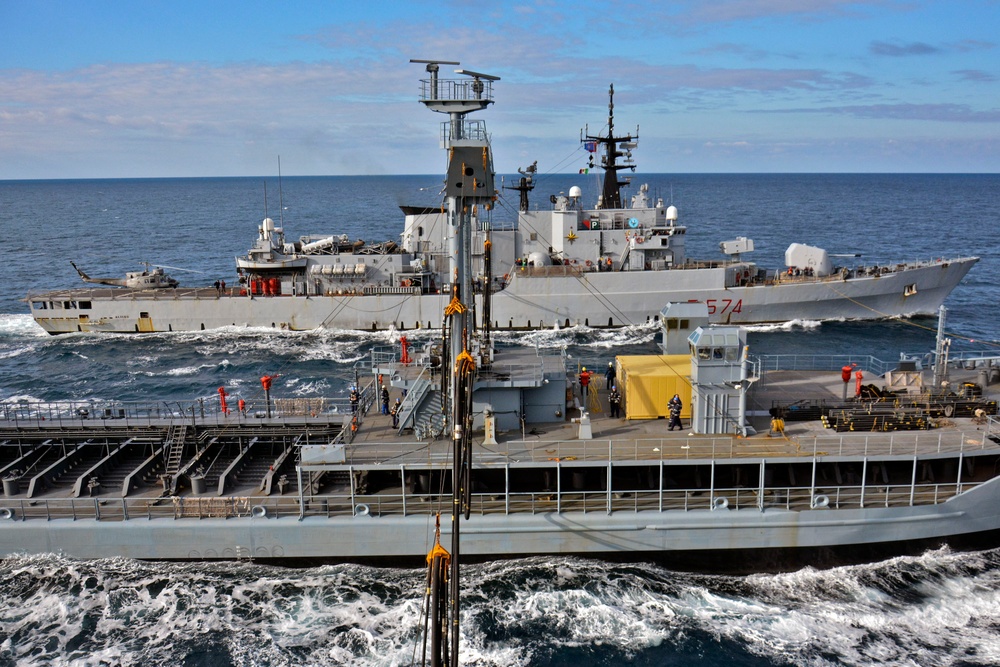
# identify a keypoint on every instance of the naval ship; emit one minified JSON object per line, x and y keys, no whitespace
{"x":614,"y":264}
{"x":523,"y":448}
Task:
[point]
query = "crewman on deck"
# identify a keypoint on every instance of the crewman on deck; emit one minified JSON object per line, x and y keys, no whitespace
{"x":395,"y":413}
{"x":385,"y":400}
{"x":354,"y":400}
{"x":615,"y":399}
{"x":585,"y":383}
{"x":675,"y":405}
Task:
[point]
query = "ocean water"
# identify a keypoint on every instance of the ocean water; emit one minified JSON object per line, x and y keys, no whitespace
{"x":940,"y":608}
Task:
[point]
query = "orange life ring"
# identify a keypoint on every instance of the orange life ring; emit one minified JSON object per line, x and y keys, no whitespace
{"x":589,"y":263}
{"x":406,"y":282}
{"x":506,"y":277}
{"x":639,"y":239}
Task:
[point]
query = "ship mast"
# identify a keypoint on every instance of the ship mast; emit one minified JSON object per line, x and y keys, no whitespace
{"x":468,"y":186}
{"x":611,"y":193}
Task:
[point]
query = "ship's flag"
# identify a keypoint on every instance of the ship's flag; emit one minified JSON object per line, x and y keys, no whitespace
{"x":584,"y":171}
{"x":590,"y":146}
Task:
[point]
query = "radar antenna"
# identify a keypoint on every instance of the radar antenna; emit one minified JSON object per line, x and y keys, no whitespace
{"x":611,"y":193}
{"x":525,"y":184}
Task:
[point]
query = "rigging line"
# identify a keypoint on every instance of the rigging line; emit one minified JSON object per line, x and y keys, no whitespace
{"x":604,"y":299}
{"x":566,"y":160}
{"x":341,"y":305}
{"x":910,"y":322}
{"x":600,"y":296}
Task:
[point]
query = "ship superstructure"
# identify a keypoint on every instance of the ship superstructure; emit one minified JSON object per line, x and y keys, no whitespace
{"x":616,"y":263}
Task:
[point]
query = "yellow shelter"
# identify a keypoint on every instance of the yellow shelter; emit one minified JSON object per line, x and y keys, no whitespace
{"x":647,"y":382}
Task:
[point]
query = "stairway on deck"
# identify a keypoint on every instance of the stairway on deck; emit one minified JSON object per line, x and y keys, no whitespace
{"x":253,"y":471}
{"x":428,"y":421}
{"x":176,"y":442}
{"x":130,"y":459}
{"x":330,"y":481}
{"x":87,"y":457}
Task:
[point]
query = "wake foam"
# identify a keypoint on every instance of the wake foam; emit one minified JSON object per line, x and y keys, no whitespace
{"x":791,"y":325}
{"x":939,"y":608}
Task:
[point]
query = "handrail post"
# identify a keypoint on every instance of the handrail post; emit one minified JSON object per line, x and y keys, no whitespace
{"x":711,"y":492}
{"x":961,"y":460}
{"x":558,"y":487}
{"x":302,"y":502}
{"x":864,"y":478}
{"x":661,"y":481}
{"x":506,"y":482}
{"x":610,"y":464}
{"x":760,"y":488}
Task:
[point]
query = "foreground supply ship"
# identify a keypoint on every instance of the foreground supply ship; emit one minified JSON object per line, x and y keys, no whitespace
{"x":609,"y":266}
{"x":523,"y":457}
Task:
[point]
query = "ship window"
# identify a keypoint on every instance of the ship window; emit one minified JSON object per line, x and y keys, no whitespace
{"x":85,"y":305}
{"x":143,"y":315}
{"x":39,"y":305}
{"x":420,"y":230}
{"x":704,"y":353}
{"x":533,"y":236}
{"x":717,"y":353}
{"x":68,"y":304}
{"x":731,"y":353}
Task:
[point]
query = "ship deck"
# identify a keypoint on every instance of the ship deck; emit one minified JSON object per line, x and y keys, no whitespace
{"x":250,"y":449}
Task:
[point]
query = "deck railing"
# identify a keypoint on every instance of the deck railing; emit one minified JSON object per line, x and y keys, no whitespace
{"x":202,"y":412}
{"x":791,"y":498}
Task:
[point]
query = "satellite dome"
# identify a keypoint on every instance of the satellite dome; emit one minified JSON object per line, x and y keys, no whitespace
{"x":575,"y":192}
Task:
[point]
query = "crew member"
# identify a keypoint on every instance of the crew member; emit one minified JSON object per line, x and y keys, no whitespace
{"x":395,"y":413}
{"x":585,"y":383}
{"x":675,"y":406}
{"x":615,"y":399}
{"x":385,"y":400}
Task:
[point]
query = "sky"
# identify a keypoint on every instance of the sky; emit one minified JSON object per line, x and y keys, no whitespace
{"x":109,"y":89}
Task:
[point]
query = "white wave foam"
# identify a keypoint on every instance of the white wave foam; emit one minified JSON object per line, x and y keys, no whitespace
{"x":940,"y":608}
{"x":315,"y":388}
{"x":791,"y":325}
{"x":21,"y":398}
{"x":23,"y":326}
{"x":581,"y":336}
{"x":182,"y":372}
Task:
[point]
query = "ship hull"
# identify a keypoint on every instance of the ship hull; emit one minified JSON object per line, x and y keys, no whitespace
{"x":728,"y":539}
{"x":529,"y":301}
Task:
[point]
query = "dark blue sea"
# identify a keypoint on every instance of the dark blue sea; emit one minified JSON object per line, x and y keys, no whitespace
{"x":940,"y":608}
